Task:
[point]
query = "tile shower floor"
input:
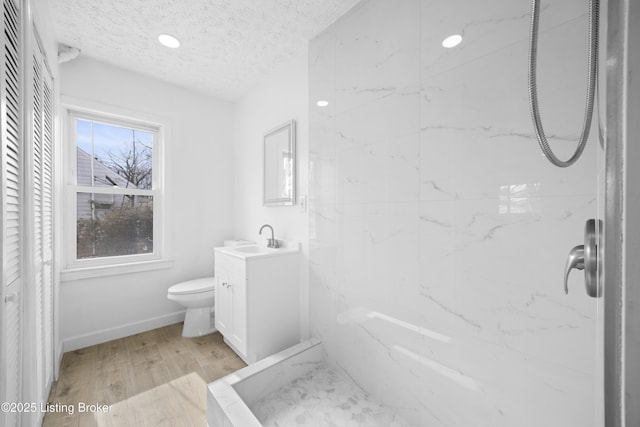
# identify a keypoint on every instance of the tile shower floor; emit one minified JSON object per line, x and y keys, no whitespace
{"x":324,"y":398}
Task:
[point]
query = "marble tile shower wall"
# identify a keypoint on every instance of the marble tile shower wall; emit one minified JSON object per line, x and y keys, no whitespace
{"x":438,"y":232}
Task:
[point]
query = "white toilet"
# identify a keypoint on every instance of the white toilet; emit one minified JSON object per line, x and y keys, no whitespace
{"x":198,"y":296}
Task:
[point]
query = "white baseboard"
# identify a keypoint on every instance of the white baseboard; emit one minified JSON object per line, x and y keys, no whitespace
{"x":104,"y":335}
{"x":58,"y":361}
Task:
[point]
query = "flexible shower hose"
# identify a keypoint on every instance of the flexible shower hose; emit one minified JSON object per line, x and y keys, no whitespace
{"x":594,"y":12}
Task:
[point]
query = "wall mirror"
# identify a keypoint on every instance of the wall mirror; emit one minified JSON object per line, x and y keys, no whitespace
{"x":280,"y":165}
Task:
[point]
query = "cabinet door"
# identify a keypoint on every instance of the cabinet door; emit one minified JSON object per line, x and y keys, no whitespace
{"x":222,"y":300}
{"x":238,"y":302}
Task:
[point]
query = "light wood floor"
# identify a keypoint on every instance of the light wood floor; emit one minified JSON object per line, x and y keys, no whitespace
{"x":156,"y":378}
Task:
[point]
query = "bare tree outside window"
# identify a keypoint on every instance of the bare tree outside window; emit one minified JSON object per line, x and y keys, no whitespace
{"x":134,"y":163}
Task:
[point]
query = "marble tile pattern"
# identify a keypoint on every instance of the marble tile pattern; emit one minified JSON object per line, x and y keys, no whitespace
{"x":322,"y":397}
{"x":438,"y":231}
{"x":230,"y":399}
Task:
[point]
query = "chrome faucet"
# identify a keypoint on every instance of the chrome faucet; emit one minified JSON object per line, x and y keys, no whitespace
{"x":272,"y":242}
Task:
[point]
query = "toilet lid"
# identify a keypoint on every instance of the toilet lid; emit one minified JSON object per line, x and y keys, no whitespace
{"x":193,"y":286}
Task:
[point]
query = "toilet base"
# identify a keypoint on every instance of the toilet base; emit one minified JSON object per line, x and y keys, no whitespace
{"x":198,"y":322}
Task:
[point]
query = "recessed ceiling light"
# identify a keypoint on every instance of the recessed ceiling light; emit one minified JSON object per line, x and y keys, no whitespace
{"x":322,"y":103}
{"x":452,"y":41}
{"x":169,"y":41}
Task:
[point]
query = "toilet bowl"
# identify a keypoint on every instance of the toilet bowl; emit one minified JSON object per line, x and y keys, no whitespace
{"x":197,"y":296}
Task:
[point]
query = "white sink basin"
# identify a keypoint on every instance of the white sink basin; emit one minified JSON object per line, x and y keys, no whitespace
{"x":253,"y":251}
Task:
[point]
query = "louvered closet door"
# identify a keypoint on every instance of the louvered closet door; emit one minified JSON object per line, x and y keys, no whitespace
{"x":43,"y":214}
{"x":37,"y":219}
{"x":12,"y":206}
{"x":47,"y":224}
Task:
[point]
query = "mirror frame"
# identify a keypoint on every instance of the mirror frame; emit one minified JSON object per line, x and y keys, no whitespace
{"x":290,"y":129}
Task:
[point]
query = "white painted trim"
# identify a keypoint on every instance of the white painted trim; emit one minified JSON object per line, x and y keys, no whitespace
{"x":76,"y":273}
{"x":58,"y":360}
{"x":58,"y":221}
{"x":104,"y":335}
{"x":115,"y":112}
{"x":74,"y":269}
{"x":116,"y":190}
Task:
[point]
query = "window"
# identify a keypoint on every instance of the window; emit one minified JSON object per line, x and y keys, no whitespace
{"x":114,"y":192}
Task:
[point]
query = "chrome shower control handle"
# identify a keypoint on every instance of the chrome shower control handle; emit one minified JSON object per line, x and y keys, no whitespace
{"x":574,"y":260}
{"x":587,"y":257}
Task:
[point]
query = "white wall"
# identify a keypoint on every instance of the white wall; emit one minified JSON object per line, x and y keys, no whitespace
{"x":199,"y":199}
{"x":438,"y":231}
{"x":278,"y":98}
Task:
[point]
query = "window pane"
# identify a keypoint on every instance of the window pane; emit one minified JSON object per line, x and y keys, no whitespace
{"x":114,"y":225}
{"x":113,"y":156}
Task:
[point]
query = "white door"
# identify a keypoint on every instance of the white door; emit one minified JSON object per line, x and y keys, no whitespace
{"x":230,"y":304}
{"x":11,"y":213}
{"x":237,"y":293}
{"x":41,"y":260}
{"x":222,"y":302}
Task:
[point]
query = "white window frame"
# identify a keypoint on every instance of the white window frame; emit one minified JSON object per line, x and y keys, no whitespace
{"x":74,"y":268}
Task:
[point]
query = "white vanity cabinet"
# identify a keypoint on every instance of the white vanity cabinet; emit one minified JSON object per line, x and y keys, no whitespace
{"x":230,"y":301}
{"x":257,"y":300}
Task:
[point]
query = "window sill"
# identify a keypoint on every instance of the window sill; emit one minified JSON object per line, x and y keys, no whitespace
{"x":112,"y":270}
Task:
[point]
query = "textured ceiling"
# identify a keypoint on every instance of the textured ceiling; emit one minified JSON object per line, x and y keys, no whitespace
{"x":227,"y":45}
